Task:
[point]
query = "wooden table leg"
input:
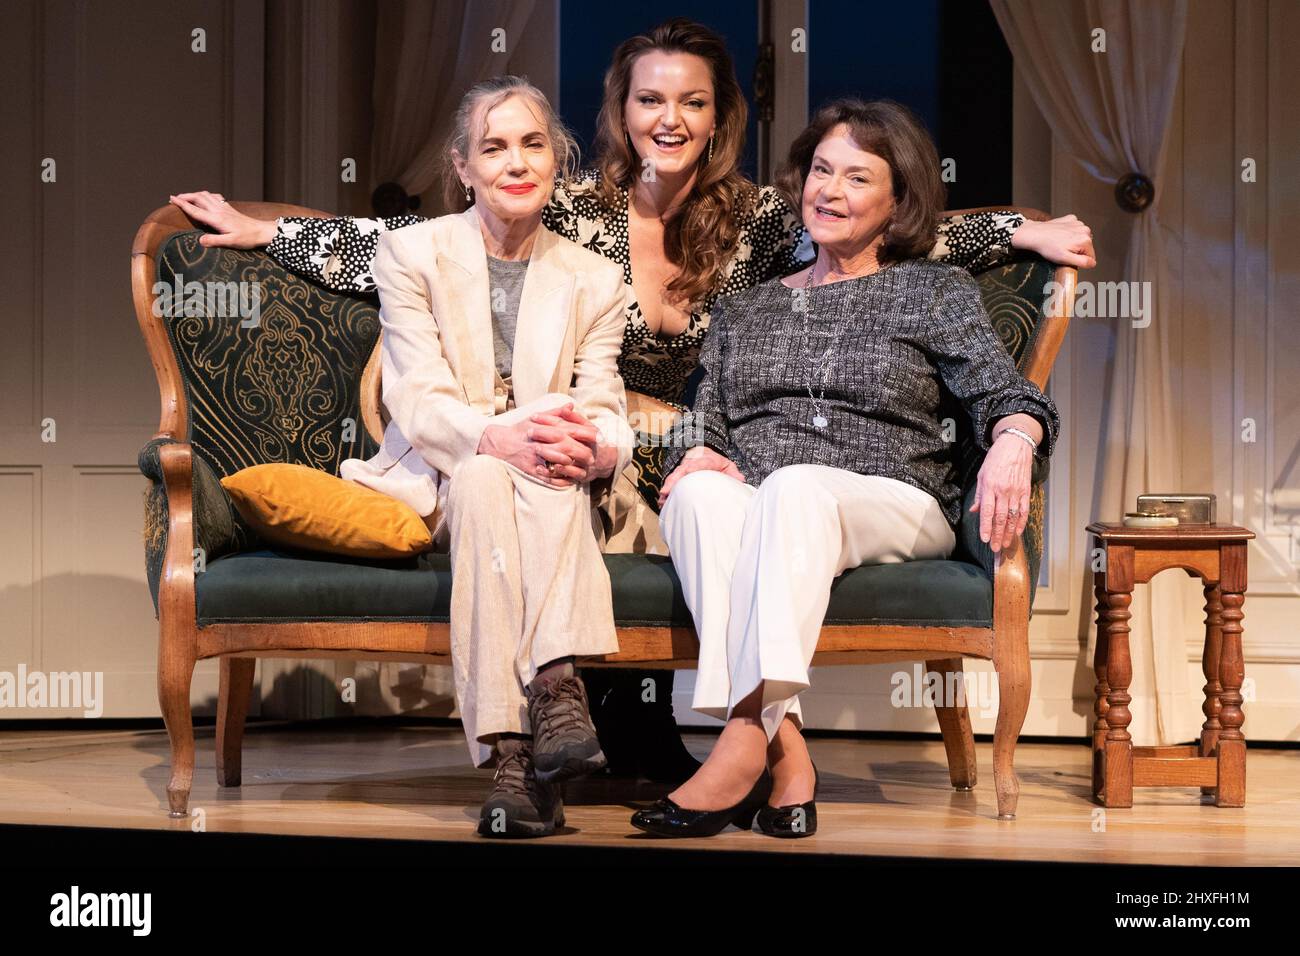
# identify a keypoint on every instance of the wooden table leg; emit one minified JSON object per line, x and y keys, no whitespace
{"x":1210,"y":668}
{"x":1101,"y":690}
{"x":1231,"y":791}
{"x":1118,"y":787}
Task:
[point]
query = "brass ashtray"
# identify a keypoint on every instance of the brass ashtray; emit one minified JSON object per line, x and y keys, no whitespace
{"x":1149,"y":519}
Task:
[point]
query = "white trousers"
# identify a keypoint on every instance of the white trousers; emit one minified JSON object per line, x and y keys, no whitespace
{"x":756,"y":566}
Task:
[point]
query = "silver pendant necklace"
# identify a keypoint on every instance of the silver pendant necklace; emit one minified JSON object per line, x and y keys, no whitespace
{"x":819,"y":420}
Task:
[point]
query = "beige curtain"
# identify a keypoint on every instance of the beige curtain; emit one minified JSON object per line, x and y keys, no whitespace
{"x":427,"y":54}
{"x":1111,"y":111}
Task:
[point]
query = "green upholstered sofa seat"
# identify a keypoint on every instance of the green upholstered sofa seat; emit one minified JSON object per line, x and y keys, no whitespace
{"x":267,"y":586}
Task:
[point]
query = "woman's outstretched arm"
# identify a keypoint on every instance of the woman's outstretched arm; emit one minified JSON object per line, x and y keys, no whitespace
{"x":978,"y":240}
{"x":335,"y":253}
{"x":974,"y":241}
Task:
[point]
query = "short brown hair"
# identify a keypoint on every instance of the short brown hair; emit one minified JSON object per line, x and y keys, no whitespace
{"x":896,"y":135}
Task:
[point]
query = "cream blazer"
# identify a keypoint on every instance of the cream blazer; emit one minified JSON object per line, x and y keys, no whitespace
{"x":438,"y":364}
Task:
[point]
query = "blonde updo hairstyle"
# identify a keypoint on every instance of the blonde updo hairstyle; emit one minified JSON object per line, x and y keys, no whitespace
{"x":474,"y":107}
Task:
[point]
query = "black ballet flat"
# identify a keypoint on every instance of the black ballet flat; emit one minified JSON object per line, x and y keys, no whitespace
{"x":794,"y":821}
{"x":666,"y":819}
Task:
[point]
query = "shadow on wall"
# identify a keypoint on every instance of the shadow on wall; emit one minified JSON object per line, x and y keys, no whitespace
{"x":286,"y":689}
{"x":293,"y":689}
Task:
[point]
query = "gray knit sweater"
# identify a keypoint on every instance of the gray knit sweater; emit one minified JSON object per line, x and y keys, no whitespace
{"x":903,"y":343}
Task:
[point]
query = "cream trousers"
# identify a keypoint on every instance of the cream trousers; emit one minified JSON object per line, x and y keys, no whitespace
{"x":528,"y":585}
{"x":756,"y":566}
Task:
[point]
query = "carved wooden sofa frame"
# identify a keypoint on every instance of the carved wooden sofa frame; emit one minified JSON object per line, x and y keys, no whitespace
{"x":173,"y":463}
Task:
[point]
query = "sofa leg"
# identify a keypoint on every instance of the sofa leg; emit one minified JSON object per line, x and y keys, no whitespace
{"x":175,"y":674}
{"x":1011,"y":661}
{"x":954,"y":724}
{"x":236,"y":689}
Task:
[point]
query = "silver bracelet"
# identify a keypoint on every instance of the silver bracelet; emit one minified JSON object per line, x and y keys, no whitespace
{"x":1019,"y":434}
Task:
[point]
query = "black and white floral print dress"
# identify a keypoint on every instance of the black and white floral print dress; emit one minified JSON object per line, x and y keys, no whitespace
{"x":337,"y":253}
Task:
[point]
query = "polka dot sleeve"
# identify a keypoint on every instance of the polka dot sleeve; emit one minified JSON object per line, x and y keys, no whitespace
{"x":976,"y":240}
{"x":334,"y":253}
{"x":779,"y":244}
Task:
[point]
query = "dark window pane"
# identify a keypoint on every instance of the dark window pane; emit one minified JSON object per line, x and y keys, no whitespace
{"x":945,"y":59}
{"x":591,"y":29}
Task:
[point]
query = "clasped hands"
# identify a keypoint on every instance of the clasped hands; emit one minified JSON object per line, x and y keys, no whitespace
{"x":559,"y":447}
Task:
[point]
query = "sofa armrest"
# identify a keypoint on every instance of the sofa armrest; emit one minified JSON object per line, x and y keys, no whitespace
{"x":970,"y":548}
{"x":1013,"y":588}
{"x":185,"y":490}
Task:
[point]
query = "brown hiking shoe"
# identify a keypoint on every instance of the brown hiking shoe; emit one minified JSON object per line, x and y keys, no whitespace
{"x":520,"y":805}
{"x":564,"y":740}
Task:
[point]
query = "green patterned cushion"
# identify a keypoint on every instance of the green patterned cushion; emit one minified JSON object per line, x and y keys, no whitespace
{"x":647,"y":592}
{"x":287,"y":390}
{"x":1013,"y":298}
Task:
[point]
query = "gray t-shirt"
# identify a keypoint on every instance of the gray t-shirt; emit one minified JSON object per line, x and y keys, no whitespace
{"x":505,"y":285}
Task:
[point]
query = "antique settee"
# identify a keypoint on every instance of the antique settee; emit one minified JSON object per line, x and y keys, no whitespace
{"x":302,"y":386}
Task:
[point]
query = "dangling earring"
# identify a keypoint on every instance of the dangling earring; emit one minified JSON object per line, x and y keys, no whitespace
{"x":710,"y":159}
{"x":468,"y":197}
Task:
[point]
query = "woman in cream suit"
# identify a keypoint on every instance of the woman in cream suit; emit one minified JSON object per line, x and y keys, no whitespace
{"x":507,"y":423}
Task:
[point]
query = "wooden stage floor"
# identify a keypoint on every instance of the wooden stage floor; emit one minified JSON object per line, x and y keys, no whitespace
{"x":412,"y":782}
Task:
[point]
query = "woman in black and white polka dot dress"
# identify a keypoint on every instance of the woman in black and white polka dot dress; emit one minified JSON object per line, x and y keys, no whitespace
{"x":667,"y":201}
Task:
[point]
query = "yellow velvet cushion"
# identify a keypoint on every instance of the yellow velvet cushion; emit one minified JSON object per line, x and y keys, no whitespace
{"x":306,"y":508}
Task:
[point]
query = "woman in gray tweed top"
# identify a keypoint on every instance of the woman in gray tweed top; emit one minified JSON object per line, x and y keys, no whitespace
{"x":818,"y":442}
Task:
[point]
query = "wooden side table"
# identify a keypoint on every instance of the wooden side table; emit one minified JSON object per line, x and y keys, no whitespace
{"x":1217,"y":555}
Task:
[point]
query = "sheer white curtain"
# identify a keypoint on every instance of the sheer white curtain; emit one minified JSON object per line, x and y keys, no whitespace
{"x":427,"y":55}
{"x":1111,"y":111}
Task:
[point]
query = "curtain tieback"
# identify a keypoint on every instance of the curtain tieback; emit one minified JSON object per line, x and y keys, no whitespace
{"x":1134,"y":192}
